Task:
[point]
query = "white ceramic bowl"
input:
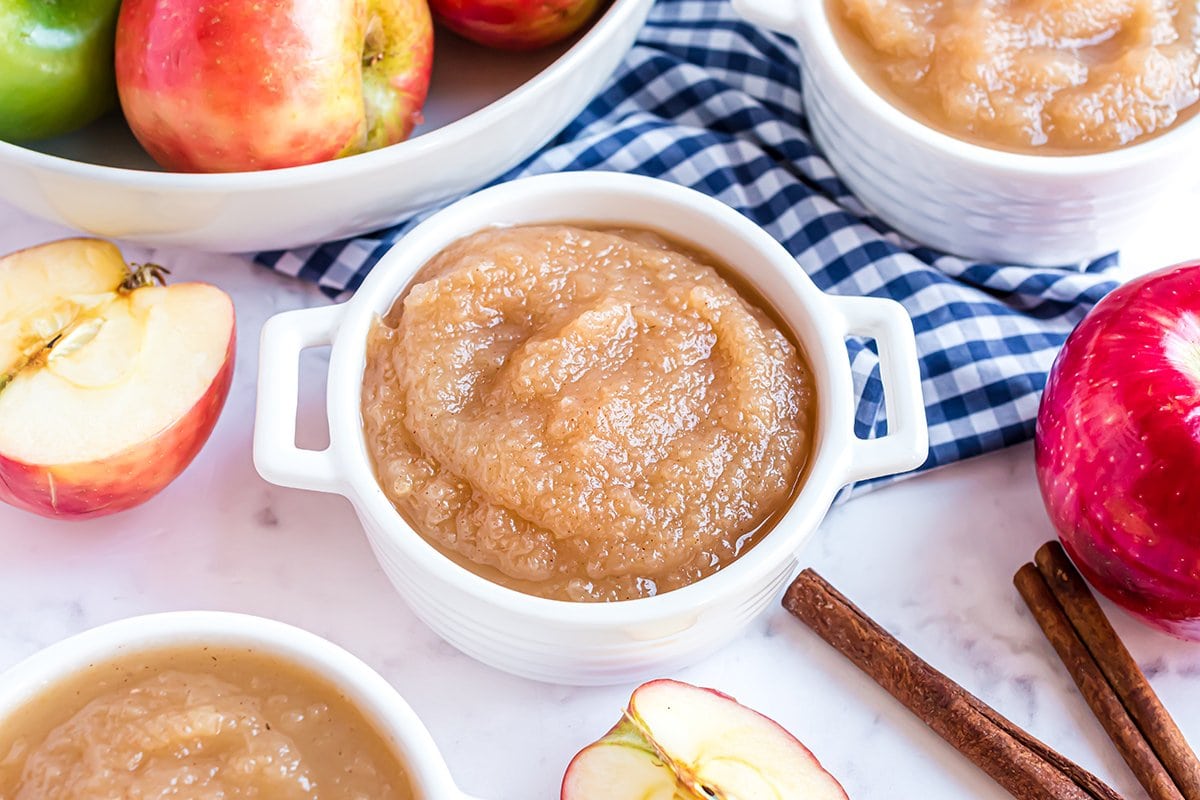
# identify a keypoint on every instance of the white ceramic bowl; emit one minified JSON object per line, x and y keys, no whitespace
{"x":967,"y":199}
{"x":98,"y":181}
{"x":590,"y":643}
{"x":364,"y":687}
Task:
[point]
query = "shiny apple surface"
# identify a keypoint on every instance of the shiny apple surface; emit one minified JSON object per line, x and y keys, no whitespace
{"x":1118,"y":447}
{"x":228,"y":85}
{"x":56,"y":72}
{"x":514,"y":24}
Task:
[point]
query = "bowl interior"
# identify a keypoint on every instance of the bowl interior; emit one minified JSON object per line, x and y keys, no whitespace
{"x":466,"y":78}
{"x":363,"y":687}
{"x":819,"y":40}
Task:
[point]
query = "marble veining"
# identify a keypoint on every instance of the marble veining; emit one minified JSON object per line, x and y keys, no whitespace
{"x":931,"y":559}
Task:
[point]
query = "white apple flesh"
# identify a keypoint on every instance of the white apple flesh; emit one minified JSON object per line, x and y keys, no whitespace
{"x":681,"y":742}
{"x":1118,"y":447}
{"x":111,"y":387}
{"x":621,"y":766}
{"x":45,"y":289}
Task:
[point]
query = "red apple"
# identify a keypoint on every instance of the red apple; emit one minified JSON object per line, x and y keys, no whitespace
{"x":514,"y":24}
{"x":109,"y":386}
{"x":681,"y":742}
{"x":1118,"y":447}
{"x":233,"y":85}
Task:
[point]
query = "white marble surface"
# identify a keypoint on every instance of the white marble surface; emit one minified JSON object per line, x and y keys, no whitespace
{"x":931,"y":559}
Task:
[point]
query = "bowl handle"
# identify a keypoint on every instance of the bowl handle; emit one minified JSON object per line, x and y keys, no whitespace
{"x":276,"y":455}
{"x":906,"y":444}
{"x":784,"y":16}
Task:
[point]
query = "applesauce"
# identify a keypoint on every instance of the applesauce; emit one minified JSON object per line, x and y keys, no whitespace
{"x":1053,"y":77}
{"x":200,"y":724}
{"x":585,"y":415}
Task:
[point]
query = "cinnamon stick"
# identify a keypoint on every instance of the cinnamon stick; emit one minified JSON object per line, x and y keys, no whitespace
{"x":1094,"y":686}
{"x":1027,"y":768}
{"x":1120,"y":670}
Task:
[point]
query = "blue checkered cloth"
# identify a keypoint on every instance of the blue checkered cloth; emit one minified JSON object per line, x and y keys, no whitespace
{"x":709,"y":101}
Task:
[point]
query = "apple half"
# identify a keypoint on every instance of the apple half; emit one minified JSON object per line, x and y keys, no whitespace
{"x":680,"y":742}
{"x":109,"y":384}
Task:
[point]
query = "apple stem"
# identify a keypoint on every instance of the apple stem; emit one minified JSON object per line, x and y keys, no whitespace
{"x":141,"y":275}
{"x":374,"y":42}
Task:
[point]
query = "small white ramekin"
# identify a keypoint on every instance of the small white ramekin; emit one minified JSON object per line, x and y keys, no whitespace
{"x":587,"y":643}
{"x":360,"y":684}
{"x":967,"y":199}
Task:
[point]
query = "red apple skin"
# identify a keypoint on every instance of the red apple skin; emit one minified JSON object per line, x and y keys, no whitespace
{"x":127,"y":479}
{"x":239,"y":85}
{"x":514,"y":24}
{"x":1118,"y":448}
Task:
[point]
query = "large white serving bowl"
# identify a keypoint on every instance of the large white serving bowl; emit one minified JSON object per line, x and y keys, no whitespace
{"x":487,"y":111}
{"x":361,"y":685}
{"x":967,"y":199}
{"x":592,"y":643}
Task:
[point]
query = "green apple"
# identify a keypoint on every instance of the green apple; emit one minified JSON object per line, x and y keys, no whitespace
{"x":56,"y":65}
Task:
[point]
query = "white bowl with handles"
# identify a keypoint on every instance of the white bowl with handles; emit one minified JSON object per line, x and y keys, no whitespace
{"x":964,"y":198}
{"x":361,"y":685}
{"x":591,"y":643}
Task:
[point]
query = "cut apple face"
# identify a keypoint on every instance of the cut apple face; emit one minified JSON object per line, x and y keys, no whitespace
{"x":117,"y":378}
{"x":681,"y":742}
{"x":621,"y":766}
{"x":44,"y":290}
{"x":111,"y":385}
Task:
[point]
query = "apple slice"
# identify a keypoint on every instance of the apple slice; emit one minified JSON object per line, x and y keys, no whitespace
{"x":681,"y":742}
{"x":124,"y":389}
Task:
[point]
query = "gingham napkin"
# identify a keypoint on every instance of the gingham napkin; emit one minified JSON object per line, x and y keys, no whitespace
{"x":714,"y":103}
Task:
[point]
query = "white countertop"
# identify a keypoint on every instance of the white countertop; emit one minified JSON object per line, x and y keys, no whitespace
{"x":931,"y":559}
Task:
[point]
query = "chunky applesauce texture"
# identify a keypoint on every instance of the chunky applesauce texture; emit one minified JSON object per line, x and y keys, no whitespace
{"x":1038,"y":76}
{"x":196,"y":724}
{"x":585,"y":415}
